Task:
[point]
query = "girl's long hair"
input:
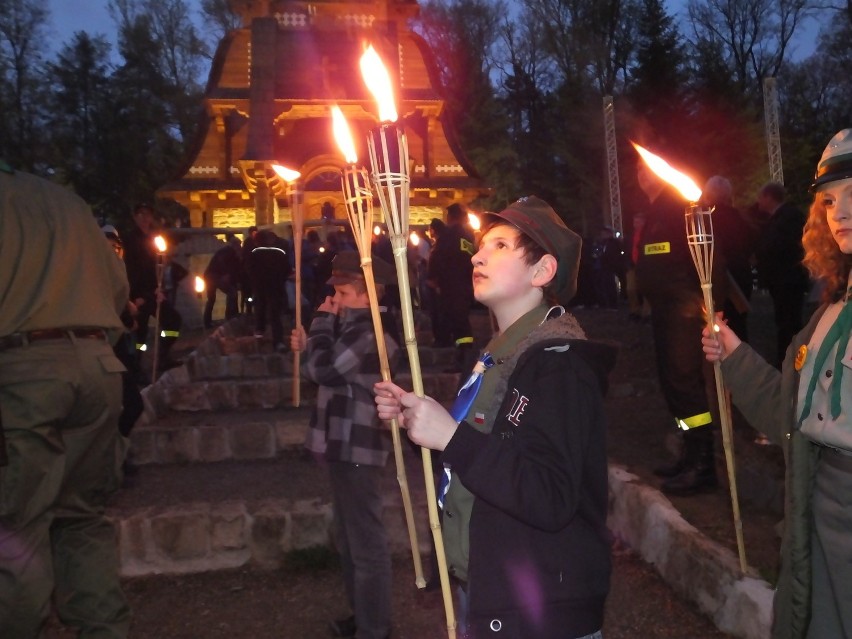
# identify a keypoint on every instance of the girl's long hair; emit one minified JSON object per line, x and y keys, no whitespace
{"x":823,"y":257}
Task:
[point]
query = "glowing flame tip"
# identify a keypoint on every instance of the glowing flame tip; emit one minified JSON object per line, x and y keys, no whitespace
{"x":160,"y":243}
{"x":343,"y":136}
{"x":286,"y":174}
{"x":378,"y":82}
{"x":663,"y":170}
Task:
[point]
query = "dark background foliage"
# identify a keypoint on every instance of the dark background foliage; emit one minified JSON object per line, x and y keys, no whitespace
{"x":524,"y":83}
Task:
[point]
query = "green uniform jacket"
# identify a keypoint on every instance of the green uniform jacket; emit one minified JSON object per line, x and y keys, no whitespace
{"x":767,"y":399}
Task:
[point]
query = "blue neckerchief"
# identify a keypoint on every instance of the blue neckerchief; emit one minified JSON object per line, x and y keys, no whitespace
{"x":461,"y":407}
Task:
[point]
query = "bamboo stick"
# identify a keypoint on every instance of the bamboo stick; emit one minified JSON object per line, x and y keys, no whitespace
{"x":699,"y":235}
{"x":359,"y":207}
{"x":298,"y":226}
{"x":389,"y":159}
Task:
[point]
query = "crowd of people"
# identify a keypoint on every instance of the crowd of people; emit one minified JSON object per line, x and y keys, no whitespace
{"x":521,"y":453}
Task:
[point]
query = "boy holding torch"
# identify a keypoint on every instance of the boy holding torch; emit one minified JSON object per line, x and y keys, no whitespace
{"x":342,"y":358}
{"x":524,"y":444}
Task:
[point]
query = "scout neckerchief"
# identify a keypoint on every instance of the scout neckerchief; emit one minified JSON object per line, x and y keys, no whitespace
{"x":467,"y":394}
{"x":460,"y":408}
{"x":839,"y":331}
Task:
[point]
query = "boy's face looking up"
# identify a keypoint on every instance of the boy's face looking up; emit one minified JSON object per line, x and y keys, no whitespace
{"x":503,"y":272}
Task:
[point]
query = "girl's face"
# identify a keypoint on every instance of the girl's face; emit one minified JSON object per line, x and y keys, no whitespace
{"x":836,"y":197}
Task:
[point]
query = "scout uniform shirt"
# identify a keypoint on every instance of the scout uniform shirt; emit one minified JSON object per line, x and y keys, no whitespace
{"x":458,"y":502}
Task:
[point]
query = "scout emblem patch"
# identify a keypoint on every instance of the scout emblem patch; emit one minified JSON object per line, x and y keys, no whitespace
{"x":801,"y":357}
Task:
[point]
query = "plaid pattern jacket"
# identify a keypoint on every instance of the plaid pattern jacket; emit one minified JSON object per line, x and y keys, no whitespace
{"x":342,"y":358}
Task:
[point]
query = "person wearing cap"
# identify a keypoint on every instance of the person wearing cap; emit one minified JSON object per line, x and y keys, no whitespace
{"x":525,"y":500}
{"x":666,"y":277}
{"x":806,"y":407}
{"x":779,"y":256}
{"x":223,"y":273}
{"x":341,"y":357}
{"x":61,"y":292}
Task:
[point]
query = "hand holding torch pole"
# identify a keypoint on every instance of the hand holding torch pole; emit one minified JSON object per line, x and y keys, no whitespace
{"x":389,"y":160}
{"x":699,"y":237}
{"x":160,"y":244}
{"x":295,"y":194}
{"x":359,"y":207}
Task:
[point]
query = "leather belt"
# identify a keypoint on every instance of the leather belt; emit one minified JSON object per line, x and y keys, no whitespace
{"x":17,"y":340}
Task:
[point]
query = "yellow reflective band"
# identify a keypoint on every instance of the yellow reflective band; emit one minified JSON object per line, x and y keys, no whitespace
{"x":464,"y":340}
{"x":141,"y":347}
{"x":658,"y":248}
{"x":695,"y":421}
{"x":169,"y":333}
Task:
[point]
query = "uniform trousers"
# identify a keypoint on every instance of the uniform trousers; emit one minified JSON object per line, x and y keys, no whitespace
{"x":60,"y":402}
{"x":363,"y":545}
{"x":831,"y":548}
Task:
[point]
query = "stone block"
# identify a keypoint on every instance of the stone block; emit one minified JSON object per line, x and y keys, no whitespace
{"x":253,"y":440}
{"x":310,"y":524}
{"x":182,"y":536}
{"x":132,"y":536}
{"x":143,"y":448}
{"x":228,"y":527}
{"x":233,"y":365}
{"x":268,"y":536}
{"x":262,"y":393}
{"x":222,"y":395}
{"x":208,"y":367}
{"x":213,"y":443}
{"x":255,"y":366}
{"x":289,"y":434}
{"x":191,"y":397}
{"x":176,"y":445}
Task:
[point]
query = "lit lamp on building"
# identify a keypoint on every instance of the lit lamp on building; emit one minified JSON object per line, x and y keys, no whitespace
{"x":296,"y":197}
{"x":358,"y":197}
{"x":699,"y":237}
{"x":388,"y":148}
{"x":160,"y":246}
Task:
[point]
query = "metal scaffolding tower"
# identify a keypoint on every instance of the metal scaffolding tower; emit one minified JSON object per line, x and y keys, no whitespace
{"x":612,"y":167}
{"x":773,"y":137}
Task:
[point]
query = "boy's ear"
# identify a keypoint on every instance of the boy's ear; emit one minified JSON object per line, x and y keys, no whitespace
{"x":544,"y":271}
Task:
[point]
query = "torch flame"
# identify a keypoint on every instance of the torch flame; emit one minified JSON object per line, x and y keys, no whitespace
{"x":160,"y":243}
{"x":670,"y":175}
{"x":288,"y":175}
{"x":199,"y":284}
{"x":378,"y":82}
{"x":377,"y":230}
{"x":414,"y":239}
{"x":473,"y":220}
{"x":342,"y":135}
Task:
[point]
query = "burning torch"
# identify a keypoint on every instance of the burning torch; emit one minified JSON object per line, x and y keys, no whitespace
{"x":359,"y":206}
{"x":389,"y":161}
{"x":160,"y":245}
{"x":699,"y":237}
{"x":296,"y":195}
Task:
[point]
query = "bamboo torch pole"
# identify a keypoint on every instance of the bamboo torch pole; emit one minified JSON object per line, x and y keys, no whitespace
{"x":699,"y":237}
{"x":359,"y":208}
{"x":160,"y":244}
{"x":389,"y":161}
{"x":295,"y":195}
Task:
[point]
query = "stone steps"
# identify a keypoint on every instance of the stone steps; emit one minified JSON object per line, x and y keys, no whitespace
{"x":211,"y":516}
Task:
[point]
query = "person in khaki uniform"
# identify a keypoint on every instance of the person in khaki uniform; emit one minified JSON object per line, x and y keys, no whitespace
{"x":805,"y":408}
{"x":61,"y":291}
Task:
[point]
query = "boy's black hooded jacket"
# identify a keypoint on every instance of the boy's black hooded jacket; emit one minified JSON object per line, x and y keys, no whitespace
{"x":539,"y":563}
